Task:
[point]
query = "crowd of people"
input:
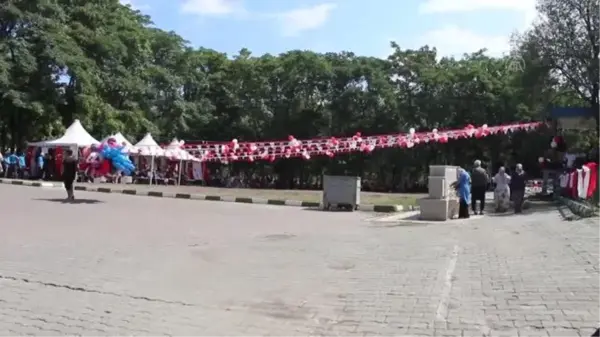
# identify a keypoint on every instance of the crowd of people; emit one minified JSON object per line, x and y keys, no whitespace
{"x":13,"y":164}
{"x":472,"y":187}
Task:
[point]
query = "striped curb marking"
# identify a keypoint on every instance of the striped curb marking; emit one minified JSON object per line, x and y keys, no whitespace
{"x":27,"y":183}
{"x":242,"y":200}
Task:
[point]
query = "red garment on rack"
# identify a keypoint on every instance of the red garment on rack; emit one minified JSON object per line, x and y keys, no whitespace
{"x":593,"y":179}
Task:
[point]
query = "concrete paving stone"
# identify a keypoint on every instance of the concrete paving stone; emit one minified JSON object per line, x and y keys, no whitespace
{"x":565,"y":333}
{"x":525,"y":332}
{"x":447,"y":333}
{"x":120,"y":265}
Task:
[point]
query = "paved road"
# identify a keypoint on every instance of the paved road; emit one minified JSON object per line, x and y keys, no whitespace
{"x":142,"y":266}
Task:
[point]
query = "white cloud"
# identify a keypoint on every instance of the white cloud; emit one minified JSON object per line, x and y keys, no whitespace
{"x":454,"y":41}
{"x":135,"y":5}
{"x":445,"y":6}
{"x":292,"y":22}
{"x":212,"y":7}
{"x":524,"y":7}
{"x":298,"y":20}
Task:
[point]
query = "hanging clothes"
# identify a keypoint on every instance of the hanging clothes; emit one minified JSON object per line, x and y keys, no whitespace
{"x":584,"y":182}
{"x":593,"y":179}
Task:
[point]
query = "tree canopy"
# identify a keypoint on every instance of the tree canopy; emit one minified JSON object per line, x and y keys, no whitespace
{"x":107,"y":65}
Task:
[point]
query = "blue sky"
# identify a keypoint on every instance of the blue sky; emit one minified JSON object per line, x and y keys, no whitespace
{"x":364,"y":27}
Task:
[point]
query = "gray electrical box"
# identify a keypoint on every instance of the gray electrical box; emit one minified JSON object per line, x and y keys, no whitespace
{"x":341,"y":192}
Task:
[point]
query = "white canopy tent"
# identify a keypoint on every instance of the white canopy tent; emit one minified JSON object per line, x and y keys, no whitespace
{"x":121,"y":140}
{"x":174,"y":150}
{"x":147,"y":146}
{"x":75,"y":135}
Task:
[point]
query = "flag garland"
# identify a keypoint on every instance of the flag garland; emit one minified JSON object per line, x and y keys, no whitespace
{"x":270,"y":151}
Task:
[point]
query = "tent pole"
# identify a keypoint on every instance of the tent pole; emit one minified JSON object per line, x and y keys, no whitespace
{"x":151,"y":170}
{"x":179,"y":178}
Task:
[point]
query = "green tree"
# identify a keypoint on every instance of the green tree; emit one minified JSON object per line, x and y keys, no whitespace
{"x":105,"y":64}
{"x":567,"y":40}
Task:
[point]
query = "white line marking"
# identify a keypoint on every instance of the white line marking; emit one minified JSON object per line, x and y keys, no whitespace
{"x":293,"y":203}
{"x":228,"y":198}
{"x":396,"y":217}
{"x":442,"y":310}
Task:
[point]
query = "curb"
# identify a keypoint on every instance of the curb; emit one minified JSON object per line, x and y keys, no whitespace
{"x":27,"y":183}
{"x":578,"y":208}
{"x":191,"y":196}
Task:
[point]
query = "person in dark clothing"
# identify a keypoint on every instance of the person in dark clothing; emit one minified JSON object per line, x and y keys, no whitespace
{"x":69,"y":173}
{"x":518,"y":181}
{"x":479,"y":183}
{"x":49,"y":164}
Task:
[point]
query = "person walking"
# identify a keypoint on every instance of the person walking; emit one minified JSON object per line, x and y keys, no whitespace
{"x":502,"y":190}
{"x":479,"y":180}
{"x":69,"y":173}
{"x":518,"y":182}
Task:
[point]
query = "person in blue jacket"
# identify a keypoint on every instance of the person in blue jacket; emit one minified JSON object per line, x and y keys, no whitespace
{"x":11,"y":161}
{"x":21,"y":165}
{"x":39,"y":162}
{"x":463,"y":187}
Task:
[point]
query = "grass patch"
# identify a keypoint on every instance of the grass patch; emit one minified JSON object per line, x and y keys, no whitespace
{"x":370,"y":198}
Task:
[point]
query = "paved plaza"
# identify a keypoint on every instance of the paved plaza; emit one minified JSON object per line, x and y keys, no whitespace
{"x":126,"y":265}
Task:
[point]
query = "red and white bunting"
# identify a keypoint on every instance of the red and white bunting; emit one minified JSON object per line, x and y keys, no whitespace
{"x":292,"y":147}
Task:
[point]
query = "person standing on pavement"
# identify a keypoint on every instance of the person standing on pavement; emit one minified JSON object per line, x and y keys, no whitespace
{"x":502,"y":190}
{"x":518,"y":182}
{"x":39,"y":161}
{"x":463,"y":188}
{"x":11,"y":161}
{"x":21,"y":165}
{"x":479,"y":180}
{"x":69,"y":173}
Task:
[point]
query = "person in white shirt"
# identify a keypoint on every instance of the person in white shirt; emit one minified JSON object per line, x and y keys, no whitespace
{"x":502,"y":191}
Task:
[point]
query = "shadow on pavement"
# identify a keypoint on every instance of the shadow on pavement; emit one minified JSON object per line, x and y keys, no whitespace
{"x":75,"y":202}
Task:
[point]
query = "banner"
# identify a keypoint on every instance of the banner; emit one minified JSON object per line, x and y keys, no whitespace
{"x":197,"y":171}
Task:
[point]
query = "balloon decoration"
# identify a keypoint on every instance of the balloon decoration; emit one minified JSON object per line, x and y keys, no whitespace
{"x":113,"y":152}
{"x":555,"y":154}
{"x":558,"y":143}
{"x":292,"y":147}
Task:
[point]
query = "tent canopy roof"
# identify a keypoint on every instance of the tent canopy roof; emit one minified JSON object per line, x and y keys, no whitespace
{"x":119,"y":138}
{"x":147,"y":146}
{"x":75,"y":135}
{"x":147,"y":141}
{"x":174,"y":144}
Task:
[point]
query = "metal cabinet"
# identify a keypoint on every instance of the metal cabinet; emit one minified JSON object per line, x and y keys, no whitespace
{"x":341,"y":192}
